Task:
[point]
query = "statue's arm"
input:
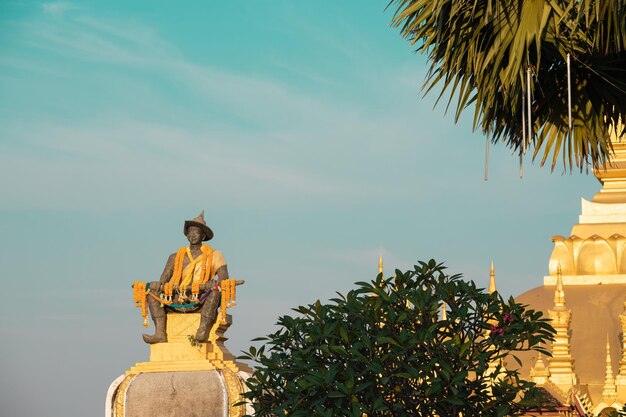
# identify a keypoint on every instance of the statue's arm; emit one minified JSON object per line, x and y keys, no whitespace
{"x":156,"y":286}
{"x":221,"y":270}
{"x":222,"y":273}
{"x":168,"y":270}
{"x":219,"y":263}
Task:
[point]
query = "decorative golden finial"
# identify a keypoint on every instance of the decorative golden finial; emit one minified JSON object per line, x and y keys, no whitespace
{"x":380,"y":264}
{"x":444,"y":312}
{"x":492,"y":279}
{"x":561,"y":364}
{"x":539,"y":364}
{"x":559,"y":293}
{"x":539,"y":374}
{"x":610,"y":390}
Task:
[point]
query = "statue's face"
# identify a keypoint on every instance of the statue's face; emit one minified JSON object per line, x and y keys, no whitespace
{"x":194,"y":235}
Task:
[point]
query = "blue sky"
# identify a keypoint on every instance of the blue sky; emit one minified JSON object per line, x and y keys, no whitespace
{"x":298,"y":126}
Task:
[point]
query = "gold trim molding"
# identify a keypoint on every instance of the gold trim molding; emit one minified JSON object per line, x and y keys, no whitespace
{"x":120,"y":396}
{"x":594,"y":255}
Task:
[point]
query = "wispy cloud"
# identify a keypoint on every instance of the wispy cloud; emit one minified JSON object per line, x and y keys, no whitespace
{"x":318,"y":143}
{"x":258,"y":99}
{"x":57,"y":8}
{"x":138,"y":163}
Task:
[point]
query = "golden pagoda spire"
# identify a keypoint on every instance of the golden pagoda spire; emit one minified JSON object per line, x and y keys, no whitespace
{"x":609,"y":392}
{"x":380,"y":264}
{"x":561,"y":363}
{"x":492,"y":369}
{"x":539,"y":374}
{"x":492,"y":279}
{"x":444,"y":312}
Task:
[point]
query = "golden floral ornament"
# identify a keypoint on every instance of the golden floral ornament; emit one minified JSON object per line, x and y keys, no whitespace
{"x":139,"y":297}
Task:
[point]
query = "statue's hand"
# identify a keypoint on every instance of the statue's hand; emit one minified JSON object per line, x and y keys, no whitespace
{"x":155,"y":286}
{"x":207,"y":286}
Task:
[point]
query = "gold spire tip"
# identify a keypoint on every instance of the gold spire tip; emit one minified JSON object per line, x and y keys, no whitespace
{"x":559,"y":292}
{"x":492,"y":279}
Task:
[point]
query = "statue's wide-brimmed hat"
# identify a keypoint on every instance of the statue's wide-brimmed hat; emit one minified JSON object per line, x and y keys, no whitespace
{"x":199,"y":222}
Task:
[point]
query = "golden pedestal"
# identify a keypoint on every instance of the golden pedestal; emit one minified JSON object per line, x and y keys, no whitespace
{"x":178,"y":353}
{"x":181,"y":378}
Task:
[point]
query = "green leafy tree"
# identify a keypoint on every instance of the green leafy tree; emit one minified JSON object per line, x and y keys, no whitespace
{"x":480,"y":51}
{"x":384,"y":349}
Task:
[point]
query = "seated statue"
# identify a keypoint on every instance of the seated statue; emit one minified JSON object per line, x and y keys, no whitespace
{"x":187,"y":283}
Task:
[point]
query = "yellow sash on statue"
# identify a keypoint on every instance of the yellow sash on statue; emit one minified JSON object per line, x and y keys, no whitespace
{"x":199,"y":270}
{"x":193,"y":271}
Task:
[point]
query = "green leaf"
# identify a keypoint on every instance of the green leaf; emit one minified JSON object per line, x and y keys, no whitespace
{"x":480,"y":51}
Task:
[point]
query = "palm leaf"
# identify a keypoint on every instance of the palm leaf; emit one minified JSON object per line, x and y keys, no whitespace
{"x":479,"y":52}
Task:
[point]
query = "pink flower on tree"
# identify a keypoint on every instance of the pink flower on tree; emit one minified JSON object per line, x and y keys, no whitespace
{"x":496,"y":331}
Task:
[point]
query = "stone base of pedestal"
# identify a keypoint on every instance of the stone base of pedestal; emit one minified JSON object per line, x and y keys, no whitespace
{"x":186,"y":393}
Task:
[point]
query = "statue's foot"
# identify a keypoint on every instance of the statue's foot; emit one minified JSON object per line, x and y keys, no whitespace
{"x":156,"y":338}
{"x":202,"y":337}
{"x":203,"y":329}
{"x":203,"y":332}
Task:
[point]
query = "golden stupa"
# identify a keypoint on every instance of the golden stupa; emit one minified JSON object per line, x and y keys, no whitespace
{"x":585,"y":296}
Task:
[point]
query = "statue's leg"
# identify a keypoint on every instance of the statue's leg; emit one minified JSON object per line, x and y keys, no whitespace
{"x":208,"y":314}
{"x":157,"y":312}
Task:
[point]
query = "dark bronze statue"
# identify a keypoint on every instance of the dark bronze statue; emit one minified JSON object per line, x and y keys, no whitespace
{"x":187,"y":283}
